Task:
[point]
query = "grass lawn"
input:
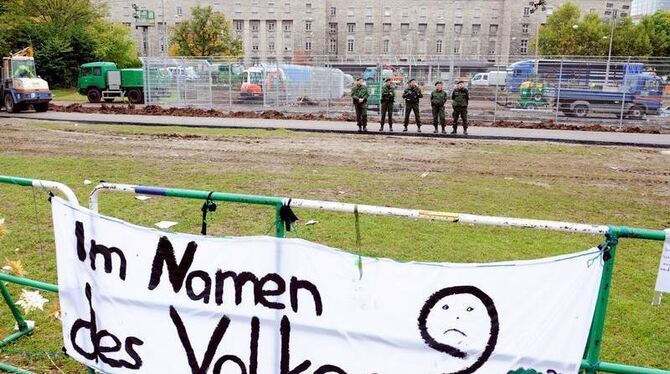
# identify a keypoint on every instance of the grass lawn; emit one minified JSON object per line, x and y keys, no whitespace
{"x":67,"y":94}
{"x":586,"y":184}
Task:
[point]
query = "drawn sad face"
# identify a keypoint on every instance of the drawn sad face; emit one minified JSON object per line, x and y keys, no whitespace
{"x":462,"y":322}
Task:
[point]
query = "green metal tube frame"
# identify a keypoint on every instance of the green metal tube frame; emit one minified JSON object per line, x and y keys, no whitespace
{"x":591,"y":362}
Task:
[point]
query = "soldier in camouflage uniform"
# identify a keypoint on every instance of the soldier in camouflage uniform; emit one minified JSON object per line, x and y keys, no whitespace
{"x":437,"y":100}
{"x":359,"y":95}
{"x":412,"y":95}
{"x":459,"y":100}
{"x":387,"y":99}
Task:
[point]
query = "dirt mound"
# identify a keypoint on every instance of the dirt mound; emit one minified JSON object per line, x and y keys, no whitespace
{"x":272,"y":114}
{"x":551,"y":125}
{"x":155,"y":110}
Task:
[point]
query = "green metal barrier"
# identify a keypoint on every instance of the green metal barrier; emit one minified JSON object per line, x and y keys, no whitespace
{"x":591,"y":362}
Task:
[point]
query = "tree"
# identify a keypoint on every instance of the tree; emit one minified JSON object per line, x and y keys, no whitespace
{"x":207,"y":33}
{"x":660,"y":40}
{"x":558,"y":37}
{"x":631,"y":39}
{"x":113,"y":42}
{"x":64,"y":35}
{"x":567,"y":33}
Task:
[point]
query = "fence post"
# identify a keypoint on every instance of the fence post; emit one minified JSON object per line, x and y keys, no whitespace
{"x":558,"y":92}
{"x":16,"y":313}
{"x":594,"y":342}
{"x":230,"y":85}
{"x":279,"y":225}
{"x":624,"y":89}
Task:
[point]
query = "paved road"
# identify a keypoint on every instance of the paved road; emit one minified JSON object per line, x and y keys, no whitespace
{"x":580,"y":137}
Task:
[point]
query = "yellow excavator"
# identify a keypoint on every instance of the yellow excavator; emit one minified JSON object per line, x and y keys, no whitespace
{"x":21,"y":86}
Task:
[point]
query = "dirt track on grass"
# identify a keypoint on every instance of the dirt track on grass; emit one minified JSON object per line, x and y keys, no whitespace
{"x":279,"y":151}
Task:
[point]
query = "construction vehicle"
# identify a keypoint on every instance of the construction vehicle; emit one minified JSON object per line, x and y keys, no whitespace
{"x":290,"y":82}
{"x":21,"y":86}
{"x":100,"y":81}
{"x":227,"y":74}
{"x":375,"y":84}
{"x":532,"y":95}
{"x":639,"y":94}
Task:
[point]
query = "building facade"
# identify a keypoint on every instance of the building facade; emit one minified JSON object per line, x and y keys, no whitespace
{"x":346,"y":30}
{"x":641,"y":8}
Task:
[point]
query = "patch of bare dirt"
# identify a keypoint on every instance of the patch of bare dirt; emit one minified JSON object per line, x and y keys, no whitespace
{"x":551,"y":125}
{"x":545,"y":165}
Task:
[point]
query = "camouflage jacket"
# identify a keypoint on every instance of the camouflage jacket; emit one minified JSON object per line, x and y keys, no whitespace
{"x":359,"y":92}
{"x":438,"y":98}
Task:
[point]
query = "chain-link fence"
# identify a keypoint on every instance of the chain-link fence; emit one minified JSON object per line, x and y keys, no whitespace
{"x":565,"y":89}
{"x":178,"y":82}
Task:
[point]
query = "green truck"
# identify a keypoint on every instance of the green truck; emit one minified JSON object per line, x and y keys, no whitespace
{"x":103,"y":81}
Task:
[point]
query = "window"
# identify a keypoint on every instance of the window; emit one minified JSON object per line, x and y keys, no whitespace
{"x":387,"y":27}
{"x":404,"y":28}
{"x":438,"y":46}
{"x":239,"y":25}
{"x":422,"y":12}
{"x":387,"y":12}
{"x":625,"y":7}
{"x":351,"y":27}
{"x":476,"y":28}
{"x":526,"y":11}
{"x":493,"y":29}
{"x":179,"y":12}
{"x":368,"y":12}
{"x":287,"y":46}
{"x":458,"y":28}
{"x":308,"y":45}
{"x":368,"y":44}
{"x":524,"y":28}
{"x":477,"y":13}
{"x":332,"y":45}
{"x":161,"y":27}
{"x":254,"y":25}
{"x":494,"y":13}
{"x":369,"y":27}
{"x":524,"y":47}
{"x":254,"y":46}
{"x":350,"y":11}
{"x":333,"y":11}
{"x":457,"y":47}
{"x":332,"y":27}
{"x":287,"y":25}
{"x":623,"y":14}
{"x":610,"y":5}
{"x":350,"y":45}
{"x":386,"y":45}
{"x":308,"y":25}
{"x":308,"y":8}
{"x":440,"y":28}
{"x":423,"y":27}
{"x":492,"y":47}
{"x":271,"y":46}
{"x":272,"y":25}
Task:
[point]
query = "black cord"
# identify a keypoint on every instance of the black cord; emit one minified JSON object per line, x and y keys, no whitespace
{"x":287,"y":216}
{"x":207,"y":206}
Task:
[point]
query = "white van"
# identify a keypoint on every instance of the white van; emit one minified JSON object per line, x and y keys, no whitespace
{"x":492,"y":78}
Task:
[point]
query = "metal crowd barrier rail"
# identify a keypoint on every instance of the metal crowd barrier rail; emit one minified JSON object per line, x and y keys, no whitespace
{"x":591,"y":362}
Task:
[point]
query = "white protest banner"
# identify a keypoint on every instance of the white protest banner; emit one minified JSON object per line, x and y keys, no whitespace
{"x":138,"y":300}
{"x":663,"y":278}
